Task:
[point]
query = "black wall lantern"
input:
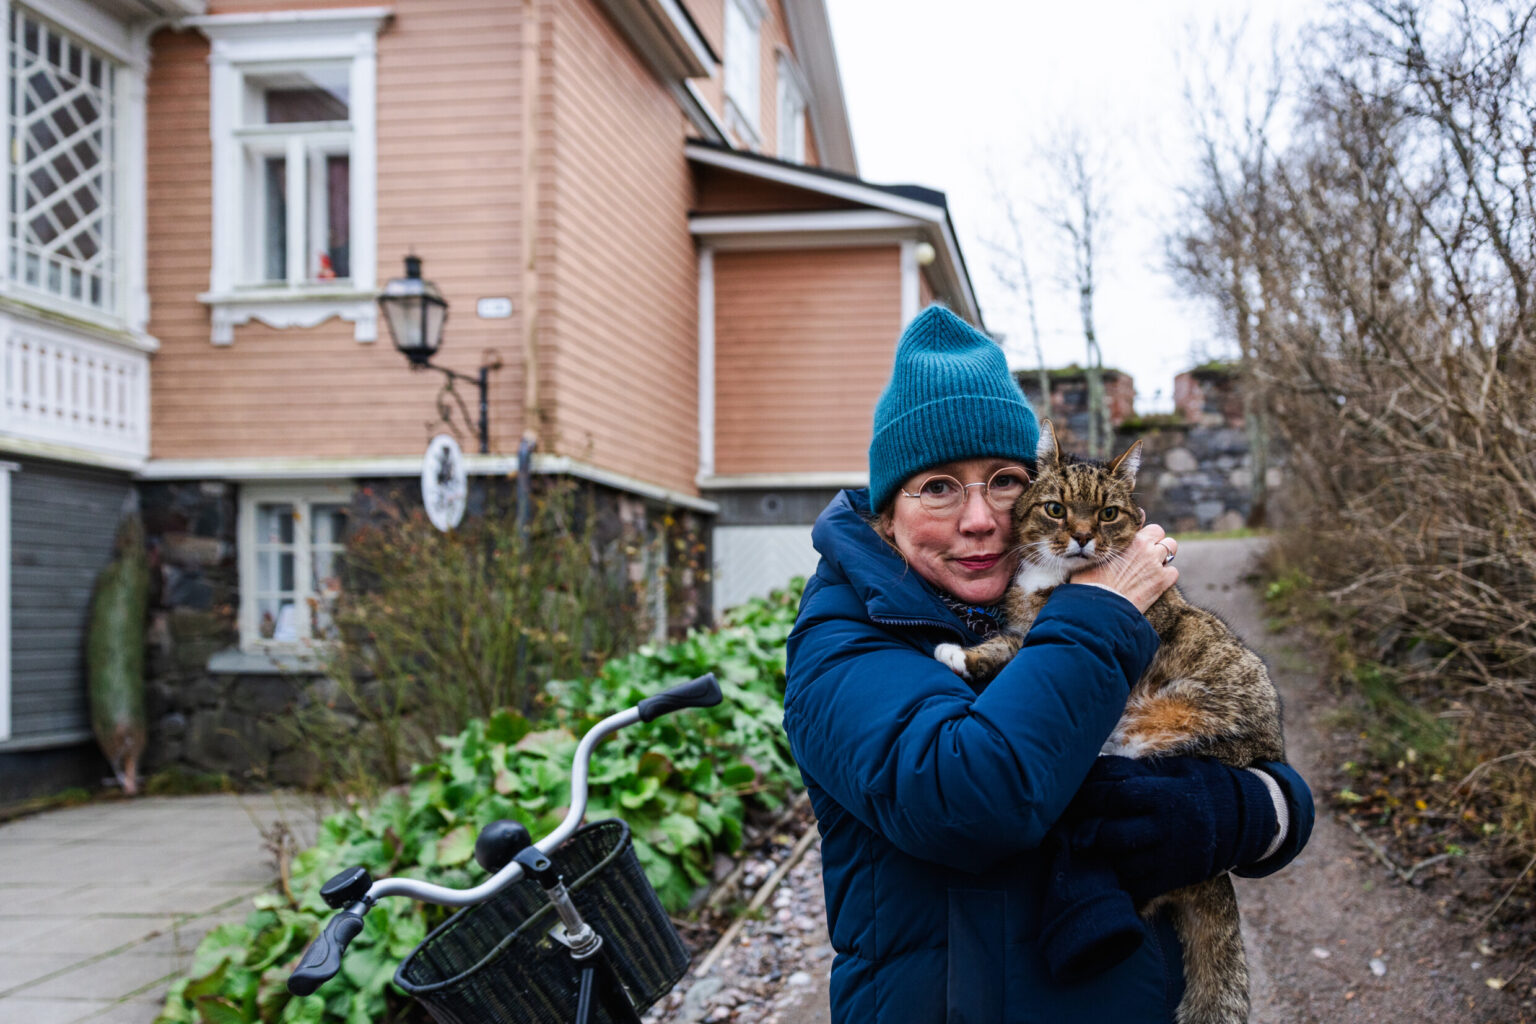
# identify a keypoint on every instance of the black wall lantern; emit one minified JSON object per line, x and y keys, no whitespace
{"x":416,"y":311}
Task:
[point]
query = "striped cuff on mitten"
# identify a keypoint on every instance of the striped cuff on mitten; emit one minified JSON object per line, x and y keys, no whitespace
{"x":1282,"y":815}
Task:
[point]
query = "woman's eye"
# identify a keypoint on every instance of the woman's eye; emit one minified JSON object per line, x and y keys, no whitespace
{"x":1008,"y":483}
{"x":939,"y":487}
{"x":1110,"y":514}
{"x":1055,"y":509}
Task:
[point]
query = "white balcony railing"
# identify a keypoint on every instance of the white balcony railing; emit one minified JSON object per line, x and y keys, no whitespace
{"x":72,"y":391}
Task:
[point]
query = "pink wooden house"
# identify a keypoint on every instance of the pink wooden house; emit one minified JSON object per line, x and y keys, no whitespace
{"x":648,"y":212}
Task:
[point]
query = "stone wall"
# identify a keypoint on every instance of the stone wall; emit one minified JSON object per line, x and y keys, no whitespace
{"x":235,"y":723}
{"x":1196,"y":467}
{"x":215,"y":710}
{"x":1197,"y":477}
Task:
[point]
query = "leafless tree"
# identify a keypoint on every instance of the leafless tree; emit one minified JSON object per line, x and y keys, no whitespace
{"x":1077,"y":207}
{"x":1010,"y":265}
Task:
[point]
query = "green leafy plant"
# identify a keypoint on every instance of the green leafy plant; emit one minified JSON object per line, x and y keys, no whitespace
{"x":684,"y":783}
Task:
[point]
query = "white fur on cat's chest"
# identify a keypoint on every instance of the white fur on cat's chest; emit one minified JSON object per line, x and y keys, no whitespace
{"x":1032,"y":578}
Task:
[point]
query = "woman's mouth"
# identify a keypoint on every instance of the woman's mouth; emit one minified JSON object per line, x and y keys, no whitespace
{"x":979,"y":563}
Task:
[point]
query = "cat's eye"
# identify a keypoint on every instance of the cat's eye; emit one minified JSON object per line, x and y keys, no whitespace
{"x":1109,"y":514}
{"x":1055,"y":509}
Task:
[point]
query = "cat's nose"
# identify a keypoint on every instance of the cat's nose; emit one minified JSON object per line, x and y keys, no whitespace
{"x":1082,"y":539}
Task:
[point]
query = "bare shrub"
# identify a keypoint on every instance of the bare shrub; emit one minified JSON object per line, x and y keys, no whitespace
{"x":434,"y":629}
{"x":1376,"y":271}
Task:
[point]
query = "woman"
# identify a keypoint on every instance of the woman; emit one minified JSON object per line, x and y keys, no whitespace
{"x":933,"y":801}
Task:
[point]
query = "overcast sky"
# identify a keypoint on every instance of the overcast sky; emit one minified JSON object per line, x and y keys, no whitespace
{"x":947,"y":94}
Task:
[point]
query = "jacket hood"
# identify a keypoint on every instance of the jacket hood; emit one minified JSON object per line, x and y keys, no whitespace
{"x":890,"y":589}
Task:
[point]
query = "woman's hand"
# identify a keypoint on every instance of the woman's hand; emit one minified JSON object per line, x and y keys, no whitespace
{"x":1142,"y":573}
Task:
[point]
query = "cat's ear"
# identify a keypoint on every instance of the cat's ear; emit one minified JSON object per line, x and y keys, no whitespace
{"x":1127,"y":463}
{"x":1046,"y":449}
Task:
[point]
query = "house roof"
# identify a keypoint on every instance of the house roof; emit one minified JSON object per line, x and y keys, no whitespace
{"x":666,"y":36}
{"x":920,"y":193}
{"x":924,"y":206}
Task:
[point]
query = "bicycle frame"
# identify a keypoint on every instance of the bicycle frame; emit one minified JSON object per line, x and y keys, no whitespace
{"x":353,"y":892}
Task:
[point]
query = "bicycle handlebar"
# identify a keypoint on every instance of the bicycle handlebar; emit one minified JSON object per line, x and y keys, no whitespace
{"x":702,"y":692}
{"x":323,"y":958}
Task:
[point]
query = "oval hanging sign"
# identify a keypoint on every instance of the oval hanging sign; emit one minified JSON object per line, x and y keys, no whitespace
{"x":444,"y":482}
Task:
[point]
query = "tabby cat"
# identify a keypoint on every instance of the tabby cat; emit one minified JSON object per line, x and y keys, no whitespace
{"x":1205,"y":693}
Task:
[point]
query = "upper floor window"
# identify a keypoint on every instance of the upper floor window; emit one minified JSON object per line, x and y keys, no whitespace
{"x":792,"y":93}
{"x":743,"y":68}
{"x":63,"y":232}
{"x":292,"y":116}
{"x":296,"y":138}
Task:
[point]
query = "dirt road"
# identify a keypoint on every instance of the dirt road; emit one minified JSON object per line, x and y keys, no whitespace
{"x":1335,"y":937}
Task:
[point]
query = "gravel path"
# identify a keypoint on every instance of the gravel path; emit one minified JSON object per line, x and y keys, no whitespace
{"x":1333,"y":939}
{"x":773,"y":970}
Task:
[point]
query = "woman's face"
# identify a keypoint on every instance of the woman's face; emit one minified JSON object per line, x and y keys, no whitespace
{"x":968,"y":552}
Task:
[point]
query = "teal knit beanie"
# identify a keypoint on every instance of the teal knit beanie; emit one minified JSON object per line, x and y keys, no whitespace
{"x":950,"y":397}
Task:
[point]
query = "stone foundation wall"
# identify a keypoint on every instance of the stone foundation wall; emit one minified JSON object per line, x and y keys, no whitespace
{"x":214,"y":710}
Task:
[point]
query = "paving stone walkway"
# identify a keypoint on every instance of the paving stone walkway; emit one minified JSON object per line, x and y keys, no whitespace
{"x":101,"y":906}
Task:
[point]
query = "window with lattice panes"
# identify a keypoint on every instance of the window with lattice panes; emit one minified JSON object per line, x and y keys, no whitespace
{"x":291,"y":542}
{"x":63,"y":232}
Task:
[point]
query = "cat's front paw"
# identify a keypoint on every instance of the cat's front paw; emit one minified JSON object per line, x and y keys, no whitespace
{"x":953,"y":657}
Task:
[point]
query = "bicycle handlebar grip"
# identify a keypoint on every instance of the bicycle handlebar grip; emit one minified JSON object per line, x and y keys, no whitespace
{"x":323,"y":958}
{"x":702,"y":692}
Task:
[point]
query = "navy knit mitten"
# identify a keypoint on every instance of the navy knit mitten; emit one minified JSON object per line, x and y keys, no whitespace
{"x":1087,"y":921}
{"x":1164,"y":823}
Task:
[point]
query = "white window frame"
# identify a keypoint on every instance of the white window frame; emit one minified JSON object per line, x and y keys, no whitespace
{"x":303,"y":497}
{"x":252,"y":44}
{"x":794,"y":98}
{"x":744,"y":69}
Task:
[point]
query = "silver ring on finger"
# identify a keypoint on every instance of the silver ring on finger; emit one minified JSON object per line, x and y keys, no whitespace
{"x":1165,"y":547}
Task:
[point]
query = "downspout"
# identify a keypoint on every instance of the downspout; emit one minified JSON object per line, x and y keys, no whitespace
{"x":532,"y":413}
{"x":524,"y":469}
{"x":529,"y":215}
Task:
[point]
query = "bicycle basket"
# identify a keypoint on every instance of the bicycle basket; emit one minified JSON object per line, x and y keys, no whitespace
{"x":496,"y":963}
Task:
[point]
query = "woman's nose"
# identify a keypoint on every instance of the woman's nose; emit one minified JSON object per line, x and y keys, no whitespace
{"x":975,"y":513}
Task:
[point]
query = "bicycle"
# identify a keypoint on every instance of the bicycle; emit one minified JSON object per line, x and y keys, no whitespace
{"x":519,"y":953}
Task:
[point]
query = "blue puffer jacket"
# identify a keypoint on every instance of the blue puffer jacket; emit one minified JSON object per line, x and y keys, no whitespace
{"x":931,"y":800}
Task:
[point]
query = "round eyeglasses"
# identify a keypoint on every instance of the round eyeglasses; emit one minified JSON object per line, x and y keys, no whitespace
{"x":943,"y":495}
